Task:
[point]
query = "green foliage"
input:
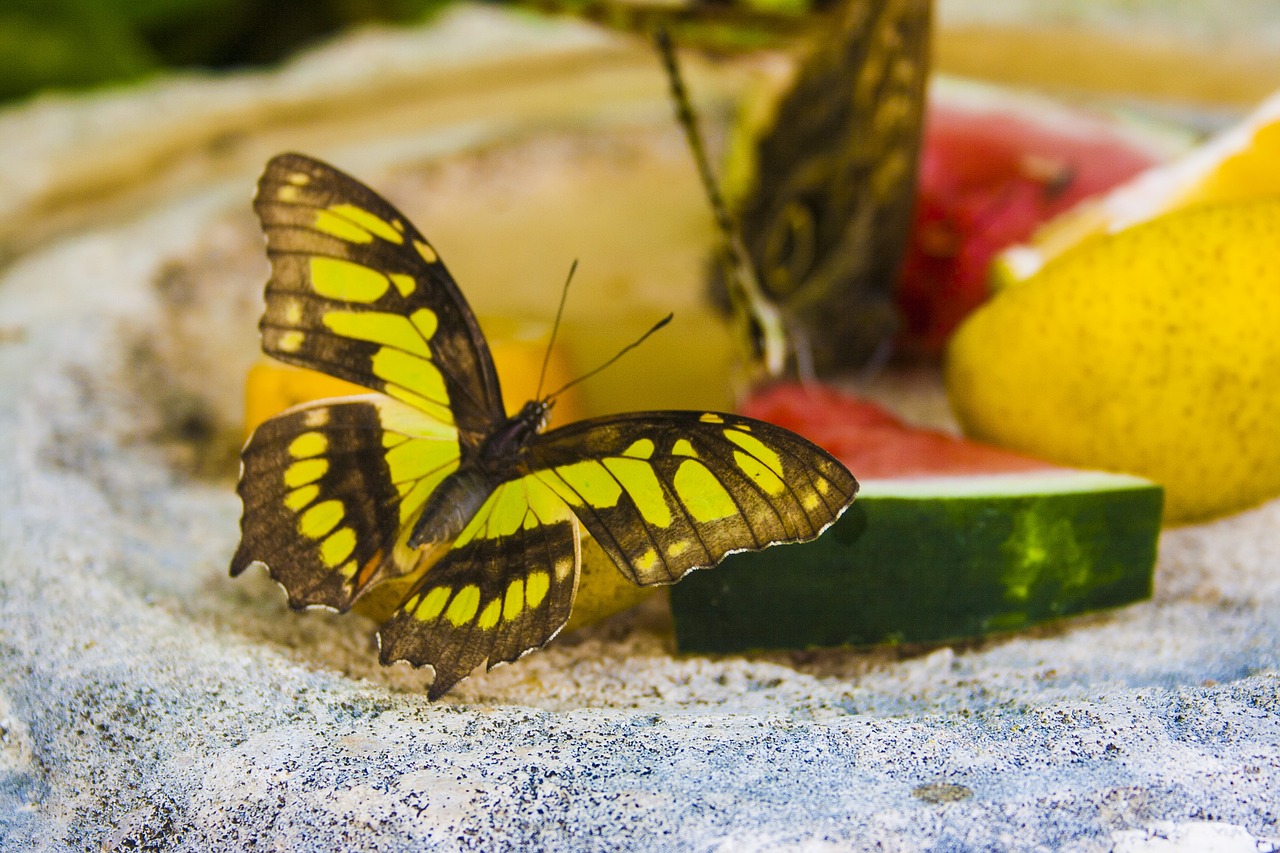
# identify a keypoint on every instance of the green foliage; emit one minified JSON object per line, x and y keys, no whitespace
{"x":61,"y":44}
{"x":66,"y":43}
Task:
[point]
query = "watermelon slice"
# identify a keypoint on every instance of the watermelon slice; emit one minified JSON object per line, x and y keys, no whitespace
{"x":994,"y":165}
{"x":948,"y":539}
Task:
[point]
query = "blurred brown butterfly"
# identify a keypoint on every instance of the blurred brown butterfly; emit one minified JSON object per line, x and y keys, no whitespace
{"x":813,"y":250}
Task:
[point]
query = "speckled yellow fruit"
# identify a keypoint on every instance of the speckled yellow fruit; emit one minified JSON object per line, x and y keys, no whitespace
{"x":1154,"y":351}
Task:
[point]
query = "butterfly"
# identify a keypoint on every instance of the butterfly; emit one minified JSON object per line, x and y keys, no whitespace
{"x":812,"y":252}
{"x":426,"y":487}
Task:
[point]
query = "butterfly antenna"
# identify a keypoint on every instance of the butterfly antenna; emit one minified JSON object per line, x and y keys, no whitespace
{"x":628,"y":348}
{"x":555,"y":327}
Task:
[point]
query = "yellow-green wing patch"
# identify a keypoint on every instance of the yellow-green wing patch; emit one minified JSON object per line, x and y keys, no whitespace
{"x":328,"y":489}
{"x":505,"y":588}
{"x":668,"y":492}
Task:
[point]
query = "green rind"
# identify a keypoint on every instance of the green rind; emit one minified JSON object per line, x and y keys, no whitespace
{"x":899,"y":569}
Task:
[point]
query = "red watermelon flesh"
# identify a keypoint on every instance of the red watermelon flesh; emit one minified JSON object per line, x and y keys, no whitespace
{"x":990,"y":173}
{"x":875,"y":444}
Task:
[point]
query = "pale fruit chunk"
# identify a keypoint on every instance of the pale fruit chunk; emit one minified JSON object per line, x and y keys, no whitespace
{"x":1242,"y":162}
{"x":1154,"y":351}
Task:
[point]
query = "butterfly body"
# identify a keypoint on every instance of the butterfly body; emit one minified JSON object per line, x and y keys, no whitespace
{"x":461,"y":494}
{"x":428,"y":489}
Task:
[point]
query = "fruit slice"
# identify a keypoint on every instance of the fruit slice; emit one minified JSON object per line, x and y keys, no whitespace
{"x":1237,"y":164}
{"x":995,"y":165}
{"x":947,"y":539}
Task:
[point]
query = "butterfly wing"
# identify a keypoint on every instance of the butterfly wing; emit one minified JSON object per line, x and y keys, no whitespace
{"x":505,"y":587}
{"x":358,"y":293}
{"x":827,"y":221}
{"x":332,"y":489}
{"x":664,"y":493}
{"x":329,"y":492}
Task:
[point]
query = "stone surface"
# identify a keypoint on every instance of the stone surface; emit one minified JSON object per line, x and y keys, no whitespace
{"x":148,"y":701}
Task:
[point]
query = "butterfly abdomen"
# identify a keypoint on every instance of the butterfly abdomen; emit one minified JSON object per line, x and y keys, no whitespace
{"x":452,"y":506}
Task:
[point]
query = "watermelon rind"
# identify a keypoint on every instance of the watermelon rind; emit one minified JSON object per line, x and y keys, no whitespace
{"x":935,"y":559}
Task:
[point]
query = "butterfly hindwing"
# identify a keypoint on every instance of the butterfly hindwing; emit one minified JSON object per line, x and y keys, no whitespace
{"x":328,"y":489}
{"x":664,"y":493}
{"x":504,"y":588}
{"x":358,"y":293}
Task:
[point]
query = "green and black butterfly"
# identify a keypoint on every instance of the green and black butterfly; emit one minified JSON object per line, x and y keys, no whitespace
{"x":813,"y":249}
{"x":429,"y":489}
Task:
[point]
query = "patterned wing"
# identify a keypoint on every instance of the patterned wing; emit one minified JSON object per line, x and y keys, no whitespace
{"x":358,"y":293}
{"x":668,"y":492}
{"x":329,"y":490}
{"x":826,"y":223}
{"x":505,"y":588}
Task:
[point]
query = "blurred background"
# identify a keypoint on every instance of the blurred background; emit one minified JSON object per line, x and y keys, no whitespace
{"x":80,"y":43}
{"x":68,"y":44}
{"x":517,"y":125}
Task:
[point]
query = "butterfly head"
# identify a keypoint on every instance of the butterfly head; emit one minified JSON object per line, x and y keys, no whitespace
{"x":509,"y":437}
{"x":533,"y":416}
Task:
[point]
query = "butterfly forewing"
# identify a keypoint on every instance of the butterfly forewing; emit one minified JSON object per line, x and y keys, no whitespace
{"x":664,"y":493}
{"x":505,"y":587}
{"x":327,"y":491}
{"x":358,"y":293}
